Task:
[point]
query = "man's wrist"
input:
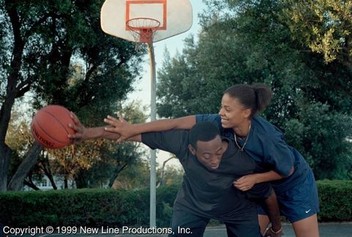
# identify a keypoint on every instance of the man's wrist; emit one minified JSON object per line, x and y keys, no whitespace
{"x":93,"y":133}
{"x":276,"y":229}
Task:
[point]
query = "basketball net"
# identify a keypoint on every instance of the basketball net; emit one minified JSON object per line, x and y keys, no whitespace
{"x":143,"y":28}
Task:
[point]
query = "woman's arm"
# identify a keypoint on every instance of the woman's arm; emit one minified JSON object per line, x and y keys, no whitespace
{"x":267,"y":176}
{"x":248,"y":181}
{"x":127,"y":130}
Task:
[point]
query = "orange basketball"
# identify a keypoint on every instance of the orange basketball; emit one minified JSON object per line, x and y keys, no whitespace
{"x":50,"y":126}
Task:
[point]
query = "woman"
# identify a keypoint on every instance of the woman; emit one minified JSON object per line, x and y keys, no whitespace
{"x":291,"y":176}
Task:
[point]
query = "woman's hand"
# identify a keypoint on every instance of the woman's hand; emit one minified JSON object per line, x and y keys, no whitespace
{"x":119,"y":126}
{"x":246,"y":182}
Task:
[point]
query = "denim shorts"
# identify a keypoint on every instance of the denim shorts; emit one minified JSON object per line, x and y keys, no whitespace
{"x":299,"y":202}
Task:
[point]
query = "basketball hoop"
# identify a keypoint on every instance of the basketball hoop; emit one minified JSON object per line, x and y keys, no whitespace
{"x":143,"y":28}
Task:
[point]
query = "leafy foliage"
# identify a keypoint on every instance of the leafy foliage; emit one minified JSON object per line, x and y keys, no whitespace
{"x":324,"y":26}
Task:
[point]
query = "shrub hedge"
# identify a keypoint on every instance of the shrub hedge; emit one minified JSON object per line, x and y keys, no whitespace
{"x":106,"y":207}
{"x":84,"y":207}
{"x":335,"y":200}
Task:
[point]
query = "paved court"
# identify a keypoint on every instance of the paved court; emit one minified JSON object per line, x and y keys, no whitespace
{"x":326,"y":230}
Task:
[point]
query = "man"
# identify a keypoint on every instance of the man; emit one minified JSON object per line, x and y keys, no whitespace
{"x":211,"y":164}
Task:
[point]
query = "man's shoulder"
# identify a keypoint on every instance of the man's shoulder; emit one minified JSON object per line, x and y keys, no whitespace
{"x":174,"y":141}
{"x":174,"y":133}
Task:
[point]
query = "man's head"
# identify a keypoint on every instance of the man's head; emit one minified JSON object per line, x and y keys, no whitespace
{"x":206,"y":144}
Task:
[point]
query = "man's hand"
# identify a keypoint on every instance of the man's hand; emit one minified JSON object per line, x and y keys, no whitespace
{"x":80,"y":130}
{"x":82,"y":133}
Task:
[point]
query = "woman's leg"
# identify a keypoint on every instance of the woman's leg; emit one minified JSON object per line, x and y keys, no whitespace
{"x":307,"y":227}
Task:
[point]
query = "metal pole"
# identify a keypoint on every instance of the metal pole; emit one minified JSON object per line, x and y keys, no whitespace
{"x":152,"y":152}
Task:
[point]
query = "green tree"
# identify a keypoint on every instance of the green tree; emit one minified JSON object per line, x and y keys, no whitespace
{"x":42,"y":45}
{"x":324,"y":26}
{"x":251,"y":41}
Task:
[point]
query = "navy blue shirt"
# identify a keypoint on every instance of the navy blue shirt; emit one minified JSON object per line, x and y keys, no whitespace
{"x":267,"y":147}
{"x":210,"y":193}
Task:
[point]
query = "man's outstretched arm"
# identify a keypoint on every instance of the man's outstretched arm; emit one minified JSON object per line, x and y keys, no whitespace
{"x":82,"y":133}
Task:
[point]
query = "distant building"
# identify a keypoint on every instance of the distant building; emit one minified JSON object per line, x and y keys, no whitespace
{"x":45,"y":184}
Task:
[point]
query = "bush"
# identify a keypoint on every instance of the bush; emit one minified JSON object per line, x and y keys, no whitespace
{"x":335,"y":200}
{"x":107,"y":207}
{"x":83,"y":207}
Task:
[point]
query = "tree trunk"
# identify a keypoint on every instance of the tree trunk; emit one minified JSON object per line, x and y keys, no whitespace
{"x":116,"y":173}
{"x":65,"y":182}
{"x":5,"y":151}
{"x":11,"y":91}
{"x":31,"y":185}
{"x":31,"y":158}
{"x":5,"y":154}
{"x":45,"y":166}
{"x":80,"y":179}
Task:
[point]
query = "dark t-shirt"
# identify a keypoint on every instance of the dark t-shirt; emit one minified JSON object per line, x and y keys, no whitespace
{"x":205,"y":192}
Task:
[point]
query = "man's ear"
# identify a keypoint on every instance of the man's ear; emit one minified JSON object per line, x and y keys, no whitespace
{"x":192,"y":149}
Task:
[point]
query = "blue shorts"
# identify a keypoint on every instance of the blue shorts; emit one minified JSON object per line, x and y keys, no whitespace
{"x":299,"y":202}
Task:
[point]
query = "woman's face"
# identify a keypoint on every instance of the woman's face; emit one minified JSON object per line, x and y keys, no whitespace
{"x":232,"y":112}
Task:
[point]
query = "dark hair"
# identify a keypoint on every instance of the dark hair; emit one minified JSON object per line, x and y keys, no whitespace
{"x":203,"y":131}
{"x":255,"y":97}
